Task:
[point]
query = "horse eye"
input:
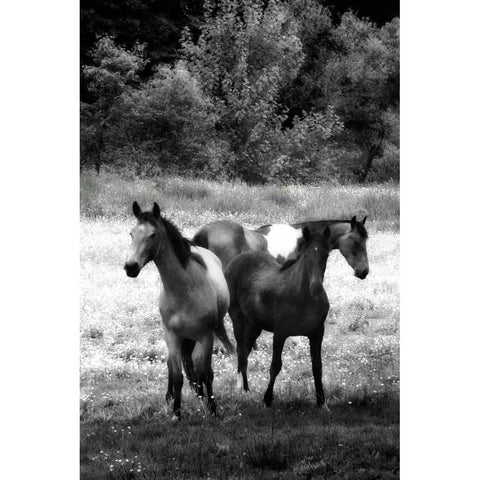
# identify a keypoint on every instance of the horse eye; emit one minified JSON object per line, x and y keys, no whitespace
{"x":152,"y":235}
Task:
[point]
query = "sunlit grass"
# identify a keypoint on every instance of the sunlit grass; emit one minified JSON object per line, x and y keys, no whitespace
{"x":195,"y":202}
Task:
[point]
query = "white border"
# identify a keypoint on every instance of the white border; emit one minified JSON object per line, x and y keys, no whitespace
{"x":40,"y":239}
{"x":40,"y":235}
{"x":439,"y":259}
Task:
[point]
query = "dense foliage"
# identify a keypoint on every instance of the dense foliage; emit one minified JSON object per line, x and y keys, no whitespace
{"x":257,"y":90}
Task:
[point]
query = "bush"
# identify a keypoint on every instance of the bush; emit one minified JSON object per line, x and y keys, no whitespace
{"x":170,"y":120}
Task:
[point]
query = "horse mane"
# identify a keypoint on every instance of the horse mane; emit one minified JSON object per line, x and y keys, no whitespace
{"x":362,"y":231}
{"x":180,"y":244}
{"x":288,"y":264}
{"x":315,"y":237}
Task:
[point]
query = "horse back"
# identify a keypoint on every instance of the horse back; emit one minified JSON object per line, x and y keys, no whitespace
{"x":226,"y":239}
{"x":282,"y":240}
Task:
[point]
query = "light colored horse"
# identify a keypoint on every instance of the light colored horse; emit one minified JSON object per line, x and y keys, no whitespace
{"x":287,"y":300}
{"x":193,"y":301}
{"x":228,"y":239}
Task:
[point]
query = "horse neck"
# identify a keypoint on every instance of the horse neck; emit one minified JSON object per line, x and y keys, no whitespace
{"x":298,"y":271}
{"x":172,"y":272}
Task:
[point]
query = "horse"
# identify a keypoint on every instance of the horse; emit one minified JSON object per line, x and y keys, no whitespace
{"x":228,"y":239}
{"x":193,"y":301}
{"x":288,"y":300}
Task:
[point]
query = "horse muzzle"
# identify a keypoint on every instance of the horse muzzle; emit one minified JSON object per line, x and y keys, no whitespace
{"x":361,"y":274}
{"x":132,"y":269}
{"x":316,"y":289}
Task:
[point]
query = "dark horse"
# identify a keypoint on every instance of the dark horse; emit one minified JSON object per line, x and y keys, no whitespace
{"x":193,"y":301}
{"x":228,"y":239}
{"x":287,"y":300}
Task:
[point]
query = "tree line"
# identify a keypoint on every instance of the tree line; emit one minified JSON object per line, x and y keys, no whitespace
{"x":262,"y":90}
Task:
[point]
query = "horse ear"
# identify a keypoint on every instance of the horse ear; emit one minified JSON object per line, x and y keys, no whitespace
{"x":156,"y":210}
{"x":353,"y":221}
{"x":137,"y":211}
{"x":306,"y":233}
{"x":364,"y":220}
{"x":326,"y":232}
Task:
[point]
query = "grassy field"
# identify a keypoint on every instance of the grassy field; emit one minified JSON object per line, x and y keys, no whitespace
{"x":126,"y":431}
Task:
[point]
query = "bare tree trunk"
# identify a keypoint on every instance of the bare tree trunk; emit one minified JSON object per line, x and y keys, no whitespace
{"x":101,"y":147}
{"x":373,"y":150}
{"x":97,"y":163}
{"x":371,"y":154}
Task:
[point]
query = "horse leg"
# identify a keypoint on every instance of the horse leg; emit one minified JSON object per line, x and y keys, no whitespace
{"x":209,"y":384}
{"x":316,"y":355}
{"x":169,"y":395}
{"x":251,"y":334}
{"x":187,"y":349}
{"x":202,"y":367}
{"x":275,"y":367}
{"x":239,"y":322}
{"x":174,"y":362}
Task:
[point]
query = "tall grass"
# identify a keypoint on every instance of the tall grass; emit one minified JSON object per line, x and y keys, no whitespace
{"x":195,"y":202}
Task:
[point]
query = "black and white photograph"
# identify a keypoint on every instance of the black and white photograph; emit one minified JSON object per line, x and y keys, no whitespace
{"x":213,"y":265}
{"x":239,"y":239}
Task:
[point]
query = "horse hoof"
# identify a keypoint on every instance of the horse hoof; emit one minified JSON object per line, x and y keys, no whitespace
{"x":267,"y":402}
{"x":325,"y":408}
{"x":175,"y":418}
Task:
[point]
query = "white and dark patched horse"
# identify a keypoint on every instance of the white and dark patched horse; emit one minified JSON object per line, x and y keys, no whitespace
{"x":229,"y":239}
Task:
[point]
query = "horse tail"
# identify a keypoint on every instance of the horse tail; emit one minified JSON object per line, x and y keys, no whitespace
{"x":201,"y":238}
{"x":221,"y":334}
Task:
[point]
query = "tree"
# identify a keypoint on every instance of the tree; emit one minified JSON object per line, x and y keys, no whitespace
{"x":315,"y":27}
{"x":170,"y":119}
{"x":115,"y":71}
{"x":362,"y":81}
{"x":247,"y":52}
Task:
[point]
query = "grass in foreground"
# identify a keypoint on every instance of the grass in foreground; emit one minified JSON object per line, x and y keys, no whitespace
{"x":126,"y":431}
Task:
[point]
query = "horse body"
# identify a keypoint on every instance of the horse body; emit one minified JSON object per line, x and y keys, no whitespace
{"x":228,"y":239}
{"x":193,"y":301}
{"x":288,"y":301}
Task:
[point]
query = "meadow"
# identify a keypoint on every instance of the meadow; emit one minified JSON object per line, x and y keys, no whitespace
{"x":126,"y":432}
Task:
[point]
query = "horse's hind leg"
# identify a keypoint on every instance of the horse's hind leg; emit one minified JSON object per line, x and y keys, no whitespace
{"x":212,"y":406}
{"x":316,"y":355}
{"x":187,"y":349}
{"x":275,"y":367}
{"x":239,"y":322}
{"x":251,"y":334}
{"x":169,"y":395}
{"x":175,"y":375}
{"x":202,"y":367}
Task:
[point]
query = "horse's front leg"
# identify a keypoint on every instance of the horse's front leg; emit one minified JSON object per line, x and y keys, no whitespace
{"x":316,"y":356}
{"x":175,"y":375}
{"x":275,"y":367}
